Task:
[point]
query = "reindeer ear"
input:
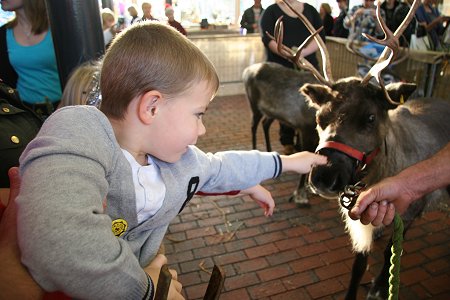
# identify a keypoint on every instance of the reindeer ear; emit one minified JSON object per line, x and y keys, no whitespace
{"x":400,"y":91}
{"x":317,"y":94}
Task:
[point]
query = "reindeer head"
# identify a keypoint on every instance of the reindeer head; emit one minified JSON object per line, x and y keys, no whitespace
{"x":352,"y":121}
{"x":352,"y":113}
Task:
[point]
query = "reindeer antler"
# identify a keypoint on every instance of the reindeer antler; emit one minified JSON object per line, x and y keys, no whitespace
{"x":349,"y":45}
{"x":296,"y":58}
{"x":391,"y":41}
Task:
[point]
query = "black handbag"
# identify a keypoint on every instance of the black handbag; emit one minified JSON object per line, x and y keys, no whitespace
{"x":18,"y":126}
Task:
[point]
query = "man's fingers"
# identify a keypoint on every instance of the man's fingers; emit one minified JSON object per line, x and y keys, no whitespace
{"x":369,"y":214}
{"x":390,"y":214}
{"x":382,"y":208}
{"x":363,"y":201}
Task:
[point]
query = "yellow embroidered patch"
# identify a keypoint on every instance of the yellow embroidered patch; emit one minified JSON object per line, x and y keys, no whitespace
{"x":119,"y":226}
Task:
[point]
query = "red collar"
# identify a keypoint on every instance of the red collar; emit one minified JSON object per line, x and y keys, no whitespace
{"x":365,"y":158}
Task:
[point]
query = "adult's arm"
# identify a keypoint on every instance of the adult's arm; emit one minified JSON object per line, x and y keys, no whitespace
{"x":375,"y":205}
{"x":15,"y":281}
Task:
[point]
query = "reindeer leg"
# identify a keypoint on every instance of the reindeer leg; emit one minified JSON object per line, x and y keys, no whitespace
{"x":380,"y":287}
{"x":358,"y":269}
{"x":309,"y":141}
{"x":300,"y":196}
{"x":266,"y":127}
{"x":255,"y":122}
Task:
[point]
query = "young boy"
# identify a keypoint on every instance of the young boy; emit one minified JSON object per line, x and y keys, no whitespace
{"x":87,"y":227}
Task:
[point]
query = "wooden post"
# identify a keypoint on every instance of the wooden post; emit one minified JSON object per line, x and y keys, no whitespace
{"x":213,"y":290}
{"x":162,"y":289}
{"x":215,"y":284}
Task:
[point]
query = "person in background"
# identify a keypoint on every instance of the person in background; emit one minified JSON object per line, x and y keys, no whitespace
{"x":110,"y":29}
{"x":327,"y":19}
{"x":363,"y":19}
{"x":378,"y":204}
{"x":27,"y":56}
{"x":83,"y":86}
{"x":295,"y":33}
{"x":389,"y":6}
{"x":250,"y":17}
{"x":18,"y":126}
{"x":400,"y":13}
{"x":429,"y":17}
{"x":171,"y":20}
{"x":132,"y":10}
{"x":147,"y":12}
{"x":338,"y":28}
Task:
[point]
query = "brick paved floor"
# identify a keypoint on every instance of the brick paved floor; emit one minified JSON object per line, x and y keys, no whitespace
{"x":297,"y":253}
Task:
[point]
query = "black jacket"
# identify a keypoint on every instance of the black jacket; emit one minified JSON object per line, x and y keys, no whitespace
{"x":18,"y":126}
{"x":7,"y":72}
{"x":338,"y":29}
{"x":248,"y":19}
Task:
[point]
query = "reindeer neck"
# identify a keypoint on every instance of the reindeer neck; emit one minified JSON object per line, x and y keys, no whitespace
{"x":391,"y":158}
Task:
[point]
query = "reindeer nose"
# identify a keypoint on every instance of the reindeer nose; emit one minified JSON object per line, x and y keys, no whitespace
{"x":335,"y":182}
{"x":328,"y":178}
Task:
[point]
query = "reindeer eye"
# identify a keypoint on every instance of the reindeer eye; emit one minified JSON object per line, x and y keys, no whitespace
{"x":371,"y":118}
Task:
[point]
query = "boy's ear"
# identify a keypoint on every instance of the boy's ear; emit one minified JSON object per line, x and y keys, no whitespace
{"x":148,"y":106}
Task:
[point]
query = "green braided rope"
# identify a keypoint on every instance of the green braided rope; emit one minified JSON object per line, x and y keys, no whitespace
{"x":396,"y":249}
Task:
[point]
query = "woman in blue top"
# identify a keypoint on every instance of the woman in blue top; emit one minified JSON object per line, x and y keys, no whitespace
{"x":431,"y":19}
{"x":27,"y":55}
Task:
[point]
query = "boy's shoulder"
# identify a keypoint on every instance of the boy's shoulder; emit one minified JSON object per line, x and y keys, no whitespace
{"x":78,"y":114}
{"x":81,"y":130}
{"x":79,"y":120}
{"x":78,"y":110}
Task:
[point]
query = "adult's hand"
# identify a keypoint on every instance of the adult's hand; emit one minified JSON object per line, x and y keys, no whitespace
{"x":15,"y":281}
{"x":376,"y":205}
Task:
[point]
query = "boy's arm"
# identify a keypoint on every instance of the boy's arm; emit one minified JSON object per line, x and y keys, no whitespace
{"x":234,"y":170}
{"x":238,"y":170}
{"x":302,"y":162}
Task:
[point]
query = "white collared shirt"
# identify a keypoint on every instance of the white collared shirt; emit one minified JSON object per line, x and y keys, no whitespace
{"x":148,"y":186}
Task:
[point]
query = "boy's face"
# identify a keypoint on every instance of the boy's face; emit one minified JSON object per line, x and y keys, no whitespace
{"x":178,"y":123}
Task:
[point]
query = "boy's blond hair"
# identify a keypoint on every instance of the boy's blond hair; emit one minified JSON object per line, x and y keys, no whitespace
{"x":80,"y":84}
{"x":151,"y":56}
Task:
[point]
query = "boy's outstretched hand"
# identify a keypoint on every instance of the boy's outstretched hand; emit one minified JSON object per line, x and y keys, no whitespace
{"x":261,"y":196}
{"x":154,"y":268}
{"x":302,"y":162}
